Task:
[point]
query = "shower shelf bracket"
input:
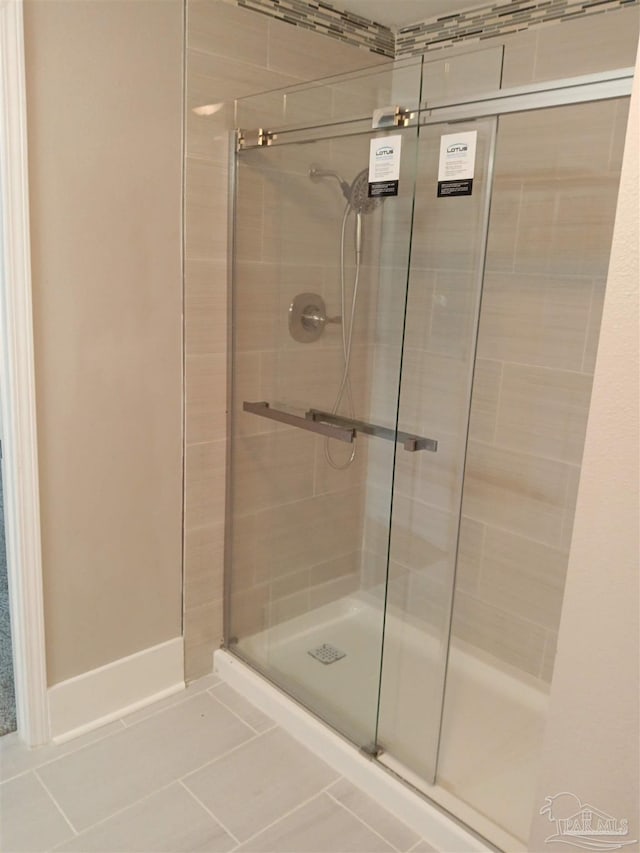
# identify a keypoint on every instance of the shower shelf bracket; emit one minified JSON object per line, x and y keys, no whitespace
{"x":339,"y":427}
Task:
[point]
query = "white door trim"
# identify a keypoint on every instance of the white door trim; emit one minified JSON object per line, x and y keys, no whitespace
{"x":17,"y":383}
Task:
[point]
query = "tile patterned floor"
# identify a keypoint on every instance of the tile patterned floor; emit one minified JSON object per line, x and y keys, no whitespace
{"x":203,"y":770}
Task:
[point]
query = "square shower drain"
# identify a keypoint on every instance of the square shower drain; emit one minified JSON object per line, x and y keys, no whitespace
{"x":327,"y":653}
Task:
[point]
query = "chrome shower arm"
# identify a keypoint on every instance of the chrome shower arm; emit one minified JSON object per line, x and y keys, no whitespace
{"x":317,"y":174}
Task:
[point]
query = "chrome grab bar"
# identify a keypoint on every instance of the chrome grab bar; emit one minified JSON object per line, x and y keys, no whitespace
{"x":339,"y":427}
{"x":263,"y":409}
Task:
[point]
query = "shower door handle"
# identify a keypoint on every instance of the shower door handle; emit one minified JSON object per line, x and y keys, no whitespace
{"x":341,"y":433}
{"x":339,"y":427}
{"x":409,"y":441}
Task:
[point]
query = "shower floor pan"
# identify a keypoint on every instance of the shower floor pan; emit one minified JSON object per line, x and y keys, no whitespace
{"x":493,"y":722}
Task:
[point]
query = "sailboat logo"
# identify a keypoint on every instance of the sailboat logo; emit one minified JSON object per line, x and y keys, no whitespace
{"x":583,"y":825}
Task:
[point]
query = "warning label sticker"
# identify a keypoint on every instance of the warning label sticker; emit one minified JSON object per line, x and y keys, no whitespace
{"x":457,"y":163}
{"x":384,"y":166}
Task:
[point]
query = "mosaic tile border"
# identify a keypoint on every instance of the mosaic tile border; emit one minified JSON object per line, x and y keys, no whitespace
{"x":473,"y":25}
{"x":322,"y":17}
{"x":496,"y":19}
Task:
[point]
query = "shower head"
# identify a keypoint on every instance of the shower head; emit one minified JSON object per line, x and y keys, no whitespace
{"x":356,"y":193}
{"x":359,"y":194}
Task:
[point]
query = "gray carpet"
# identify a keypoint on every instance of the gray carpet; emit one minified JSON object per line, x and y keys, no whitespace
{"x":7,"y":694}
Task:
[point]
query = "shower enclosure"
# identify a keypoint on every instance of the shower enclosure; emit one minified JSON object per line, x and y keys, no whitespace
{"x":419,"y":260}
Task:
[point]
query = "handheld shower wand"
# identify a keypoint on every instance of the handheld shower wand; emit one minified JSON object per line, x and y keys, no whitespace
{"x":358,"y":202}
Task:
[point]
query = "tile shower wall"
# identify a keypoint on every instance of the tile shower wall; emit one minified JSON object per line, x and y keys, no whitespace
{"x":553,"y":211}
{"x":436,"y":370}
{"x":325,"y":18}
{"x":296,"y":521}
{"x":231,"y":52}
{"x":552,"y":216}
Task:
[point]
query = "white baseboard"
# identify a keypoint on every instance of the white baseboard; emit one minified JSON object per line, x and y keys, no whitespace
{"x":434,"y":826}
{"x":112,"y":691}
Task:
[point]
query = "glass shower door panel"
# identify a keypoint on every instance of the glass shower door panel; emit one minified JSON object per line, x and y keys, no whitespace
{"x":557,"y":173}
{"x":315,"y":259}
{"x":447,"y":259}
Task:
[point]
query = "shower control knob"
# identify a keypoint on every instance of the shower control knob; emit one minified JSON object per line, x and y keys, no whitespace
{"x":314,"y":317}
{"x":308,"y":317}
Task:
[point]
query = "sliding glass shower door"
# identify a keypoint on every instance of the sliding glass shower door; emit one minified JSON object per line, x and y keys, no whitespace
{"x":453,"y":187}
{"x":316,"y":259}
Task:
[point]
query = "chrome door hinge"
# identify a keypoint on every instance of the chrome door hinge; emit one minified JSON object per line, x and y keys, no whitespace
{"x":393,"y":116}
{"x":254,"y":138}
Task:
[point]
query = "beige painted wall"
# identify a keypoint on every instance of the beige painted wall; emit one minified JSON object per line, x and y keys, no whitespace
{"x":104,"y":120}
{"x":591,"y":744}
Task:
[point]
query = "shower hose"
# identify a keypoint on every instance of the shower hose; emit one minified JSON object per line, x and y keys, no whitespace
{"x":344,"y":389}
